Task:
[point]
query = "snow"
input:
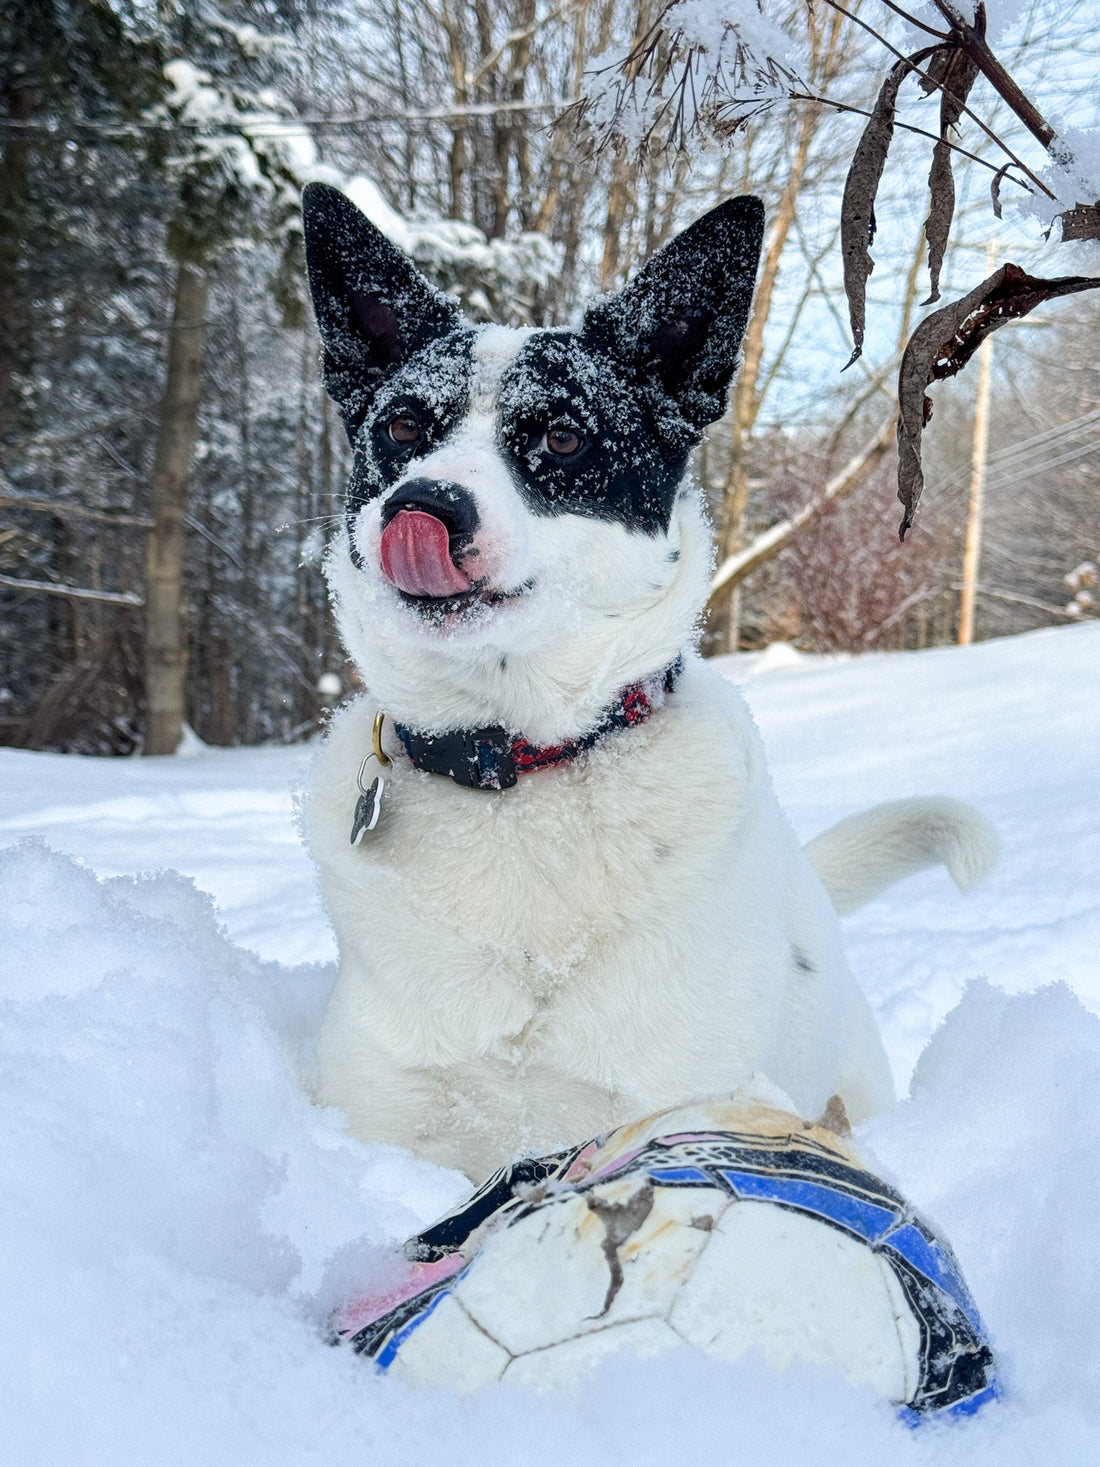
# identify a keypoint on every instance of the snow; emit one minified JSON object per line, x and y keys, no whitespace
{"x":718,"y":27}
{"x":243,"y":134}
{"x":178,"y":1220}
{"x":1010,"y":725}
{"x":226,"y":819}
{"x":450,"y":249}
{"x":1002,"y":16}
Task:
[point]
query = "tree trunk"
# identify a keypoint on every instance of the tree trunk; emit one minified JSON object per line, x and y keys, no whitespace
{"x":165,"y":615}
{"x":14,"y":315}
{"x":724,"y":619}
{"x":724,"y":623}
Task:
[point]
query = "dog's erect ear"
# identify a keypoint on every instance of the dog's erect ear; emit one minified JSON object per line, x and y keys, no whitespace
{"x":680,"y":322}
{"x":373,"y":307}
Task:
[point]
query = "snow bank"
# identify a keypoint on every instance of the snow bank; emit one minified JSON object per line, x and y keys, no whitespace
{"x":171,"y":1200}
{"x":1009,"y":725}
{"x":178,"y":1220}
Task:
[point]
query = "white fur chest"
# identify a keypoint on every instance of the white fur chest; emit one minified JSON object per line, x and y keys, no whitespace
{"x":523,"y":966}
{"x":539,"y":885}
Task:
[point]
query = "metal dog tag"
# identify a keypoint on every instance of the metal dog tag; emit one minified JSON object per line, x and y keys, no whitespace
{"x":368,"y":807}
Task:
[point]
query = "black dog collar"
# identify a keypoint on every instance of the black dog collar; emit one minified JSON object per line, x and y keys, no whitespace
{"x":493,"y":758}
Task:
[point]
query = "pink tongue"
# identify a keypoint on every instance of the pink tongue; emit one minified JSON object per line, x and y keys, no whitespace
{"x":416,"y":556}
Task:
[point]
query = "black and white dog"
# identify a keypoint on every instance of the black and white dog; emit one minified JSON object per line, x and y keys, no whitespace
{"x":578,"y":901}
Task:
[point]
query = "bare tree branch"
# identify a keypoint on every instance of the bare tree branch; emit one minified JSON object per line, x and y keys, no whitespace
{"x":972,"y":40}
{"x":767,"y":545}
{"x":1017,"y":599}
{"x":65,"y":511}
{"x":515,"y":37}
{"x":75,"y":593}
{"x":967,"y":111}
{"x":924,"y":132}
{"x":913,"y":21}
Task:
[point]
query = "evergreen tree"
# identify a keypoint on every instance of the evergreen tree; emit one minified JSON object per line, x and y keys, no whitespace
{"x":236,"y":175}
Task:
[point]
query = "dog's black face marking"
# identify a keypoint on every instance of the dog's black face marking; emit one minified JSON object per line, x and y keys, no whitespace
{"x":629,"y":396}
{"x":558,"y":395}
{"x":432,"y":389}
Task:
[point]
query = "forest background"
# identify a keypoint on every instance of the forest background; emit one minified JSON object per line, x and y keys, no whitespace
{"x":171,"y":469}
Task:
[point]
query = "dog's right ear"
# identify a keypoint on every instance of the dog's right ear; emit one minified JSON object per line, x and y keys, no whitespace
{"x":678,"y":324}
{"x":374,"y":309}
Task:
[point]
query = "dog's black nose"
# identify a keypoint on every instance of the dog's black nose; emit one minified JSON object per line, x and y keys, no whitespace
{"x":439,"y":497}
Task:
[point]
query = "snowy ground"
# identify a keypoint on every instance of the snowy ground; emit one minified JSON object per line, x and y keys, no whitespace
{"x":176,"y":1220}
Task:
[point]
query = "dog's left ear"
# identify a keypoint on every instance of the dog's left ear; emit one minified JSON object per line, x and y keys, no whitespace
{"x":680,"y":322}
{"x":374,"y":308}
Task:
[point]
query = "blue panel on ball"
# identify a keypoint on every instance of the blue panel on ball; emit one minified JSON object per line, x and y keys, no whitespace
{"x":854,"y":1214}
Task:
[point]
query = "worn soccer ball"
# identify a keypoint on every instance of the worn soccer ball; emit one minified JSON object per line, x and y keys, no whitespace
{"x":732,"y":1225}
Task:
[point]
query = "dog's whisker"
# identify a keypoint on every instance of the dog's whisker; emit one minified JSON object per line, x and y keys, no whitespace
{"x":319,"y":519}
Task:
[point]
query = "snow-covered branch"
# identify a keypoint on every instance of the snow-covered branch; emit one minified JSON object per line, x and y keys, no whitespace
{"x":702,"y":65}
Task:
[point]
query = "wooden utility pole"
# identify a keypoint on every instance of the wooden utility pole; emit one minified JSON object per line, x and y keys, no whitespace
{"x":973,"y":551}
{"x":165,"y":619}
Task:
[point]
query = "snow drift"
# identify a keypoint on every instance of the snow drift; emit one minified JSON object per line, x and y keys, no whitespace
{"x":177,"y":1220}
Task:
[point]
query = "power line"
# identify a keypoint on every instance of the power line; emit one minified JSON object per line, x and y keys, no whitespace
{"x":1015,"y":455}
{"x":268,"y":126}
{"x":1011,"y":449}
{"x":1090,"y":447}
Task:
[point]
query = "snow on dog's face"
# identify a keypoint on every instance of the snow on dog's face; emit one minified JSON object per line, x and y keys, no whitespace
{"x":520,"y":542}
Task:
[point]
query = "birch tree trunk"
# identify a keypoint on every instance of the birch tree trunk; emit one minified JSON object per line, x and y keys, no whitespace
{"x":165,"y":612}
{"x":724,"y":622}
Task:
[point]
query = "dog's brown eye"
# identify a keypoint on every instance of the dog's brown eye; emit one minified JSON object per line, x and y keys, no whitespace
{"x":563,"y":441}
{"x":403,"y":429}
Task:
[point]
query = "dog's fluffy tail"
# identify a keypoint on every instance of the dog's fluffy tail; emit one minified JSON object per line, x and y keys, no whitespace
{"x":863,"y":855}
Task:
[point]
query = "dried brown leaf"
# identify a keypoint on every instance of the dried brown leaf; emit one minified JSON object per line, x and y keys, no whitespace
{"x":935,"y":72}
{"x":857,"y":209}
{"x":941,"y":211}
{"x":960,"y":74}
{"x":956,"y":73}
{"x":942,"y":345}
{"x":995,"y":189}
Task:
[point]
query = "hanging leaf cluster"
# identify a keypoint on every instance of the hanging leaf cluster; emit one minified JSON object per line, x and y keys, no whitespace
{"x":948,"y":69}
{"x":954,"y":72}
{"x":688,"y":72}
{"x":945,"y":341}
{"x":695,"y":69}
